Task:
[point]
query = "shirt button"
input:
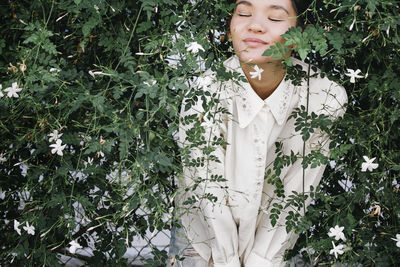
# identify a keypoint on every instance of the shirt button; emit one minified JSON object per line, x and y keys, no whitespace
{"x":259,"y":161}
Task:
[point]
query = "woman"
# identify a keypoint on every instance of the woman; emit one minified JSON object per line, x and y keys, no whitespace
{"x":227,"y":197}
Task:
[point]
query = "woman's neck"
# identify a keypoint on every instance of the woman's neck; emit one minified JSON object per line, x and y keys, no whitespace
{"x":271,"y":77}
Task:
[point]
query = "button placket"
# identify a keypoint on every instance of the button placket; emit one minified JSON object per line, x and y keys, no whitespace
{"x":259,"y":155}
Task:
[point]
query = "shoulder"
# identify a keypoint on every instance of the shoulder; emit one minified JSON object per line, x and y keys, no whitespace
{"x":205,"y":94}
{"x":324,"y":95}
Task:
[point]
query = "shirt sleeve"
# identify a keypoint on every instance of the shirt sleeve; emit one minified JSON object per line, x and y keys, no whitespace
{"x":206,"y":217}
{"x":271,"y":242}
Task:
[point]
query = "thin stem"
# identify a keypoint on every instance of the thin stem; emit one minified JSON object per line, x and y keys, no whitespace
{"x":304,"y":143}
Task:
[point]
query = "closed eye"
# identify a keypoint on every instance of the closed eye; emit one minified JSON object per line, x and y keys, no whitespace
{"x":273,"y":19}
{"x":244,"y":15}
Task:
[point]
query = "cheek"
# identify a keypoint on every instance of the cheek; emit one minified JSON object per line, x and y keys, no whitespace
{"x":277,"y":32}
{"x":237,"y":25}
{"x":233,"y":27}
{"x":235,"y":34}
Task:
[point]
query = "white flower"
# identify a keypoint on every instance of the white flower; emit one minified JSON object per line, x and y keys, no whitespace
{"x":368,"y":164}
{"x":96,"y":7}
{"x":13,"y":90}
{"x":16,"y":225}
{"x":153,"y":82}
{"x":194,"y":47}
{"x":352,"y":24}
{"x":397,"y":240}
{"x":256,"y":73}
{"x":353,"y":75}
{"x":74,"y":246}
{"x":1,"y":93}
{"x":337,"y":232}
{"x":91,"y":73}
{"x":2,"y":158}
{"x":57,"y":147}
{"x":94,"y":73}
{"x":29,"y":228}
{"x":54,"y":136}
{"x":376,"y":210}
{"x":100,"y":154}
{"x":54,"y":70}
{"x":22,"y":67}
{"x":89,"y":161}
{"x":308,"y":250}
{"x":336,"y":249}
{"x":2,"y":194}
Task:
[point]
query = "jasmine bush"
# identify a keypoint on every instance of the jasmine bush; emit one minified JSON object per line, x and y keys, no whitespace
{"x":90,"y":93}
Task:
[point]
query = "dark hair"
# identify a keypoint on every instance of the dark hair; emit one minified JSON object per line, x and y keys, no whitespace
{"x":300,"y":6}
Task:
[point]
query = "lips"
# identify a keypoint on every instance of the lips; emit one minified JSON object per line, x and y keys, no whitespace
{"x":254,"y":42}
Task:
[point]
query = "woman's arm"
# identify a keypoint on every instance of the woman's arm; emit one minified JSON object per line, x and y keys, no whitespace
{"x":207,"y":218}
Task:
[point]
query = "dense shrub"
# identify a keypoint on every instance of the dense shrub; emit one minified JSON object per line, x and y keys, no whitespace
{"x":89,"y":106}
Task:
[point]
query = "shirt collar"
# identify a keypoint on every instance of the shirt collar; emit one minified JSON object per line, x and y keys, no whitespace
{"x":249,"y":104}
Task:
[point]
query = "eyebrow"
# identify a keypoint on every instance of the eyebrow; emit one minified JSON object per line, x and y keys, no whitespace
{"x":278,"y":7}
{"x":247,"y":3}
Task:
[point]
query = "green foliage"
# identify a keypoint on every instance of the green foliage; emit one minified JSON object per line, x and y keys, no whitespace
{"x":349,"y":35}
{"x":355,"y":35}
{"x":110,"y":77}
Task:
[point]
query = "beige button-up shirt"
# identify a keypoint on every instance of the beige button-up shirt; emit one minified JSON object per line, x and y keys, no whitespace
{"x":235,"y":229}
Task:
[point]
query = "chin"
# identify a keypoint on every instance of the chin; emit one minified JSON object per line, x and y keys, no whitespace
{"x":255,"y":59}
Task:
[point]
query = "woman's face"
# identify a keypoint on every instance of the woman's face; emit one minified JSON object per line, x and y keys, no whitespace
{"x":257,"y":24}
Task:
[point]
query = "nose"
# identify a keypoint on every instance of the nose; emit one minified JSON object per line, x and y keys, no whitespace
{"x":257,"y":24}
